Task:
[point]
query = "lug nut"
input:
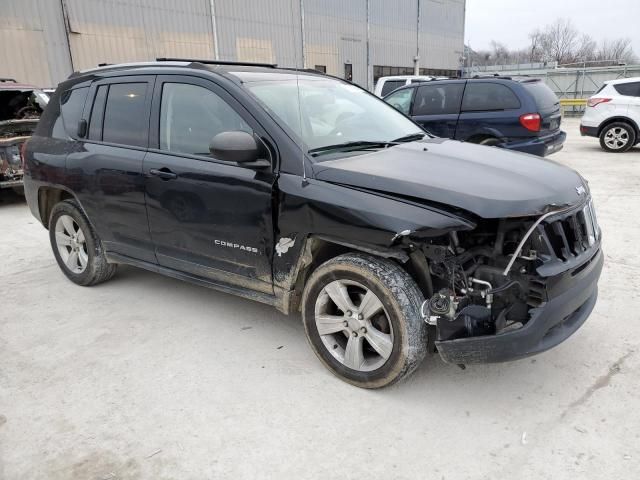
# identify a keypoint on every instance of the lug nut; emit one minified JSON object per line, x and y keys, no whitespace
{"x":345,"y":323}
{"x":355,"y":334}
{"x":360,"y":317}
{"x":363,"y":330}
{"x":349,"y":313}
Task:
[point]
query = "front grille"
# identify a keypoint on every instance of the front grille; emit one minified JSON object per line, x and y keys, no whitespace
{"x":568,"y":235}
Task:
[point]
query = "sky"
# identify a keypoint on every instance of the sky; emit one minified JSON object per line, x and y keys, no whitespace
{"x":510,"y":21}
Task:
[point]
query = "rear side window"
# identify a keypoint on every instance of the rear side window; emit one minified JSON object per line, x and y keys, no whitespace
{"x":125,"y":118}
{"x":390,"y":85}
{"x":488,"y":96}
{"x":542,"y":95}
{"x":439,"y":99}
{"x":628,"y":89}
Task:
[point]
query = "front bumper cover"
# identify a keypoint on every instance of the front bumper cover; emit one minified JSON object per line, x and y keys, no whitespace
{"x":549,"y":325}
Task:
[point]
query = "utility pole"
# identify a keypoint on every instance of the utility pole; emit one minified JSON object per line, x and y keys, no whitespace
{"x":416,"y":59}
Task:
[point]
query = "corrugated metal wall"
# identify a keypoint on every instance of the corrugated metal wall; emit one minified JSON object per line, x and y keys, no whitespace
{"x":260,"y":31}
{"x":35,"y":45}
{"x":441,"y":33}
{"x":335,"y":35}
{"x":114,"y":31}
{"x":393,"y":32}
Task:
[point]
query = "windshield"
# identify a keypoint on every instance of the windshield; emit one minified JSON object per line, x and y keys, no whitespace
{"x":330,"y":112}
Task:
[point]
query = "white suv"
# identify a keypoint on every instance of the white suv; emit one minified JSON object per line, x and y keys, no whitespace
{"x":613,"y":114}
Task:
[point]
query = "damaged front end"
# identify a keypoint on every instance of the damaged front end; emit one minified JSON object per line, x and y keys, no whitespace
{"x":13,"y":135}
{"x":512,"y":287}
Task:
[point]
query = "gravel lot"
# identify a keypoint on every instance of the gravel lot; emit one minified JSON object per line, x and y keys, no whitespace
{"x":148,"y":377}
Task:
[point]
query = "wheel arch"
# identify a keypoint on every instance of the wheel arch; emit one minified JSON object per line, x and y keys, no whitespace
{"x":622,"y":119}
{"x":478,"y":137}
{"x":318,"y":249}
{"x":48,"y":197}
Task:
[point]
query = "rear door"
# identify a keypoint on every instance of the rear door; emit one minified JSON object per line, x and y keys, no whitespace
{"x":207,"y":217}
{"x":489,"y":109}
{"x":631,"y":94}
{"x":436,"y":107}
{"x":106,"y":167}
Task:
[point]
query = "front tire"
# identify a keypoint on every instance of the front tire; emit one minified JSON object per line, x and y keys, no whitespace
{"x":617,"y":137}
{"x":76,"y":246}
{"x":362,"y":318}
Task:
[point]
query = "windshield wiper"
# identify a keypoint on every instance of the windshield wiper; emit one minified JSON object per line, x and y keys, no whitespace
{"x":410,"y":138}
{"x":357,"y":145}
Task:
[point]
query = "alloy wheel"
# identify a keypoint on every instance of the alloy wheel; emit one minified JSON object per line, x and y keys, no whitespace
{"x":354,"y":325}
{"x":616,"y":138}
{"x":72,"y":244}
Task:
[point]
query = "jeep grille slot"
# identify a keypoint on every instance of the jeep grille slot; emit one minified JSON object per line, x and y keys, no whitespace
{"x":572,"y":234}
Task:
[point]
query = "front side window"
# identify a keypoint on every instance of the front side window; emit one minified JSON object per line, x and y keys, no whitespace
{"x":440,"y":99}
{"x":190,"y":116}
{"x":125,"y":117}
{"x":401,"y":100}
{"x":480,"y":97}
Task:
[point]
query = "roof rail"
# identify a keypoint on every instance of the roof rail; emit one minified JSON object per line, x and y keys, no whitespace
{"x":12,"y":80}
{"x":494,"y":75}
{"x":216,"y":62}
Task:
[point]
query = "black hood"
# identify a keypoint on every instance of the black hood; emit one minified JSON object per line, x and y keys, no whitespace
{"x":487,"y":181}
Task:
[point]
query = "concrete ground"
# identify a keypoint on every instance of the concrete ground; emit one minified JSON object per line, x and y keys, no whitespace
{"x":148,"y":377}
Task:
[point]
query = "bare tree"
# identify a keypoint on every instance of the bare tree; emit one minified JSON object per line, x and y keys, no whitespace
{"x":559,"y":40}
{"x":585,"y":50}
{"x":535,"y":45}
{"x":616,"y":51}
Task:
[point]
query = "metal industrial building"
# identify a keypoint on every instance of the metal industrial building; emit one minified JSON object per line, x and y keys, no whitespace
{"x":43,"y":41}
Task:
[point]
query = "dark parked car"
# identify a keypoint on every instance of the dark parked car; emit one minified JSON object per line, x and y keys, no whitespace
{"x":310,"y":194}
{"x":522,"y":114}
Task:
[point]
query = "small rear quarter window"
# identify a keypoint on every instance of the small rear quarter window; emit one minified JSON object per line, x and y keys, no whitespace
{"x":628,"y":89}
{"x":71,"y":106}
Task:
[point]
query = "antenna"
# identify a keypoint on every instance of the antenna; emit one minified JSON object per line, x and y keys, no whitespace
{"x":304,"y":168}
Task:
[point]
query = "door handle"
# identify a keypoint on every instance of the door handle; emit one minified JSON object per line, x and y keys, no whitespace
{"x":163,"y":173}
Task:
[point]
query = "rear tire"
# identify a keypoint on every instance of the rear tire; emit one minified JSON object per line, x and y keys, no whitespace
{"x":372,"y":334}
{"x":76,"y":246}
{"x":617,"y":137}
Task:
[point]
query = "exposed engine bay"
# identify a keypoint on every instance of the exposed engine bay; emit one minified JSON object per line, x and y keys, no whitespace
{"x":486,"y":281}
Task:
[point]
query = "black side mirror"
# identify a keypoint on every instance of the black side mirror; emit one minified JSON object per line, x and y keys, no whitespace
{"x":235,"y":146}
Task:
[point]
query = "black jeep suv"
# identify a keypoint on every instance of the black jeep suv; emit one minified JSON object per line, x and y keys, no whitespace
{"x":308,"y":193}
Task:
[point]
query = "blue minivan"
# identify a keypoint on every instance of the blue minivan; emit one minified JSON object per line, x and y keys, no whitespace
{"x":516,"y":113}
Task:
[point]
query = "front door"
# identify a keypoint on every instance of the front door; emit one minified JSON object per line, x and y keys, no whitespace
{"x":209,"y":218}
{"x":436,"y":108}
